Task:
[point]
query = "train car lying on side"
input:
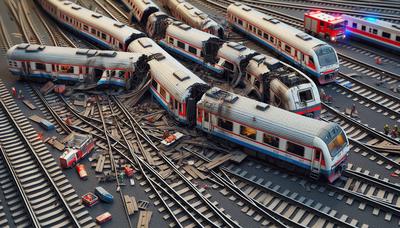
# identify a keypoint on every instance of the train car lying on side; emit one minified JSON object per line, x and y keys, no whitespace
{"x":310,"y":54}
{"x":64,"y":64}
{"x":372,"y":30}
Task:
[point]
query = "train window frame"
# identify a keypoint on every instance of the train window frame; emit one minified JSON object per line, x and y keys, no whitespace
{"x":240,"y":22}
{"x":259,"y":32}
{"x":295,"y":148}
{"x":175,"y":104}
{"x":398,"y":38}
{"x":103,"y":36}
{"x":85,"y":27}
{"x":225,"y":124}
{"x":93,"y":31}
{"x":181,"y":45}
{"x":321,"y":23}
{"x":354,"y":25}
{"x":192,"y":50}
{"x":288,"y":49}
{"x":248,"y":132}
{"x":363,"y":27}
{"x":266,"y":36}
{"x":163,"y":92}
{"x":375,"y":31}
{"x":306,"y":92}
{"x":228,"y":65}
{"x":206,"y":116}
{"x":271,"y":140}
{"x":40,"y":66}
{"x":311,"y":60}
{"x":386,"y":35}
{"x":171,"y":40}
{"x":272,"y":39}
{"x":154,"y":84}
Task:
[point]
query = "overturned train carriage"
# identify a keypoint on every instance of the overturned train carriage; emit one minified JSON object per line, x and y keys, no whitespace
{"x":36,"y":62}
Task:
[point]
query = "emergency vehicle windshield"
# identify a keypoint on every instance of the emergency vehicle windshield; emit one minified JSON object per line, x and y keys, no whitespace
{"x":337,"y":26}
{"x":326,"y":55}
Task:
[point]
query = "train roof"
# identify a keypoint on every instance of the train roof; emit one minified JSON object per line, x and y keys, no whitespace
{"x":234,"y":52}
{"x":283,"y":31}
{"x":196,"y":14}
{"x":170,"y":73}
{"x":374,"y":22}
{"x":184,"y":32}
{"x":144,"y":4}
{"x":266,"y":117}
{"x":118,"y":30}
{"x":72,"y":56}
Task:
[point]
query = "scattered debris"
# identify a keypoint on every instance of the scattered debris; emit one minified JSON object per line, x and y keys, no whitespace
{"x":56,"y":144}
{"x":171,"y":139}
{"x":47,"y":88}
{"x":47,"y":125}
{"x":60,"y":89}
{"x":103,"y":195}
{"x":81,"y":170}
{"x":106,"y":216}
{"x":131,"y":204}
{"x":129,"y":171}
{"x":100,"y":164}
{"x":143,"y":205}
{"x":90,"y":199}
{"x":29,"y":104}
{"x":144,"y":219}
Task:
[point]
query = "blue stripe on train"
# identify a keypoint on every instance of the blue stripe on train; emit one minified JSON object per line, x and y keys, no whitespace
{"x":266,"y":152}
{"x":315,"y":74}
{"x":186,"y":55}
{"x":162,"y":103}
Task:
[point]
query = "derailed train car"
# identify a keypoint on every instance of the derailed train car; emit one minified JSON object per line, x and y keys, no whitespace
{"x":188,"y":99}
{"x":71,"y":65}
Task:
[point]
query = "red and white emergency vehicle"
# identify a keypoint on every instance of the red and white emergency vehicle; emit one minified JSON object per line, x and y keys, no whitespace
{"x":78,"y":146}
{"x":324,"y":25}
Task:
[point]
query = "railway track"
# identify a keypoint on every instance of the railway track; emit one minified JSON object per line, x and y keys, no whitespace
{"x":51,"y":200}
{"x":112,"y":11}
{"x":28,"y":30}
{"x":367,"y":95}
{"x":6,"y":41}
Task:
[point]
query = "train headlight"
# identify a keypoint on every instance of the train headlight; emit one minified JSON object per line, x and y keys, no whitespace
{"x":333,"y":38}
{"x":344,"y":36}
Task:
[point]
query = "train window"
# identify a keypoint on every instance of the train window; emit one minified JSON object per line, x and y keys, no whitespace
{"x":311,"y":61}
{"x":295,"y":149}
{"x":279,"y":44}
{"x":248,"y":132}
{"x":192,"y":50}
{"x":171,"y":40}
{"x":305,"y":95}
{"x":250,"y":27}
{"x":386,"y":35}
{"x":375,"y":31}
{"x":228,"y":65}
{"x":201,"y":54}
{"x":66,"y":69}
{"x":354,"y":25}
{"x":40,"y":66}
{"x":259,"y":32}
{"x":398,"y":38}
{"x":321,"y":23}
{"x":163,"y":93}
{"x":85,"y":27}
{"x":206,"y":116}
{"x":181,"y":45}
{"x":363,"y":27}
{"x":154,"y":84}
{"x":120,"y":46}
{"x":265,"y":35}
{"x":272,"y":39}
{"x":240,"y":22}
{"x":176,"y":104}
{"x":225,"y":124}
{"x":271,"y":140}
{"x":288,"y":49}
{"x":93,"y":31}
{"x":103,"y":36}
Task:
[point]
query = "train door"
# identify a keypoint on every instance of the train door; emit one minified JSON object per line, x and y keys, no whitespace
{"x":206,"y":120}
{"x":301,"y":59}
{"x":97,"y":73}
{"x":316,"y":163}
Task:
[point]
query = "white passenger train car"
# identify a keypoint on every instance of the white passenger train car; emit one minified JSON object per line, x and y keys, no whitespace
{"x":66,"y":64}
{"x":316,"y":147}
{"x":99,"y":29}
{"x":376,"y":31}
{"x":306,"y":52}
{"x":192,"y":16}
